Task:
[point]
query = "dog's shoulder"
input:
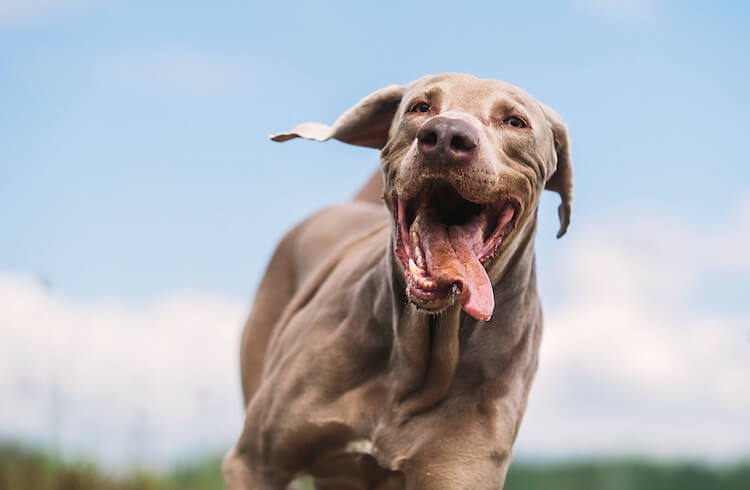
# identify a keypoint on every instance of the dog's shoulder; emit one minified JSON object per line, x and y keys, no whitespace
{"x":329,"y":232}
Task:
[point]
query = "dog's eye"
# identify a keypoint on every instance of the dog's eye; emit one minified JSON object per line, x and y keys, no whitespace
{"x":516,"y":122}
{"x":420,"y":107}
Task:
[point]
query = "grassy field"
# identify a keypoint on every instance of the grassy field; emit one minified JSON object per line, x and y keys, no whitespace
{"x":27,"y":469}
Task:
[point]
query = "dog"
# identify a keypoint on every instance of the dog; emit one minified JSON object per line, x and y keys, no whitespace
{"x":393,"y":339}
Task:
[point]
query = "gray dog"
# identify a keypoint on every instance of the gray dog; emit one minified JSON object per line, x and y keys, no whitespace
{"x":394,"y":346}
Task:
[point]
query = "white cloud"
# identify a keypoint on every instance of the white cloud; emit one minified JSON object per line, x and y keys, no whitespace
{"x":123,"y":383}
{"x":23,"y":12}
{"x":635,"y":359}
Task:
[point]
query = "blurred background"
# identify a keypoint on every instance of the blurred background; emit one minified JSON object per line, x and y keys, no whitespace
{"x":140,"y":200}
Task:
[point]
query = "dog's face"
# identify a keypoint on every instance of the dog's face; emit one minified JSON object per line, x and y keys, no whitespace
{"x":464,"y":162}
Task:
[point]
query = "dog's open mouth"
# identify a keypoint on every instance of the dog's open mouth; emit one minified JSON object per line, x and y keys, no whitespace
{"x":443,"y":240}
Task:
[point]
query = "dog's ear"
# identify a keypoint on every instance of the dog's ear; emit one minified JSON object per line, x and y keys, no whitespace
{"x":365,"y":124}
{"x":561,"y":180}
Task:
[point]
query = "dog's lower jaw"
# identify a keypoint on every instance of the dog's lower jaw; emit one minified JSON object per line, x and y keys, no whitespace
{"x":442,"y":241}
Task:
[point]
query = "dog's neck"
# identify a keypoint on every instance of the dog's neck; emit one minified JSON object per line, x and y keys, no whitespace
{"x":427,"y":349}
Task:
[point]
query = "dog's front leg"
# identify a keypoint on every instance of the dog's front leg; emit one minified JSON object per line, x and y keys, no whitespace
{"x":238,"y":475}
{"x":449,"y":472}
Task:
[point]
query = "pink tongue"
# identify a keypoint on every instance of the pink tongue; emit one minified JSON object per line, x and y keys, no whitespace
{"x":451,"y":259}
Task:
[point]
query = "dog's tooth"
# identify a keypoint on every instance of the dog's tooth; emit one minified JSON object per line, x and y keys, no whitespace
{"x":417,"y":220}
{"x":414,"y":237}
{"x":424,"y":282}
{"x":420,"y":257}
{"x":420,"y":281}
{"x":413,"y":269}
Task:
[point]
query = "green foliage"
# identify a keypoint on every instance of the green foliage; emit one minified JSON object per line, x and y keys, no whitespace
{"x":29,"y":469}
{"x":627,"y":475}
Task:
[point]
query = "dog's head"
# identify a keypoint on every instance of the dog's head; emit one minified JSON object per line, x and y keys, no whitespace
{"x":464,"y":162}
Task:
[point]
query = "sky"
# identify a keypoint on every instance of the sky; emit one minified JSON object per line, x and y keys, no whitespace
{"x":140,"y":200}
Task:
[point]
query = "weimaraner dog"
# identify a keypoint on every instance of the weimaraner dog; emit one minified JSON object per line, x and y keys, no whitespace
{"x":393,"y":346}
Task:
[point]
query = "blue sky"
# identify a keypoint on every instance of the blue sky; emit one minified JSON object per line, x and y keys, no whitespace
{"x":133,"y":145}
{"x":135,"y":164}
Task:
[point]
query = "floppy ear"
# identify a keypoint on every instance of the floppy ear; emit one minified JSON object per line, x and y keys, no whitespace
{"x":561,"y":180}
{"x":365,"y":124}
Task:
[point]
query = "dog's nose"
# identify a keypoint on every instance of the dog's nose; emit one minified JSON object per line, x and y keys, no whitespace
{"x":447,"y":139}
